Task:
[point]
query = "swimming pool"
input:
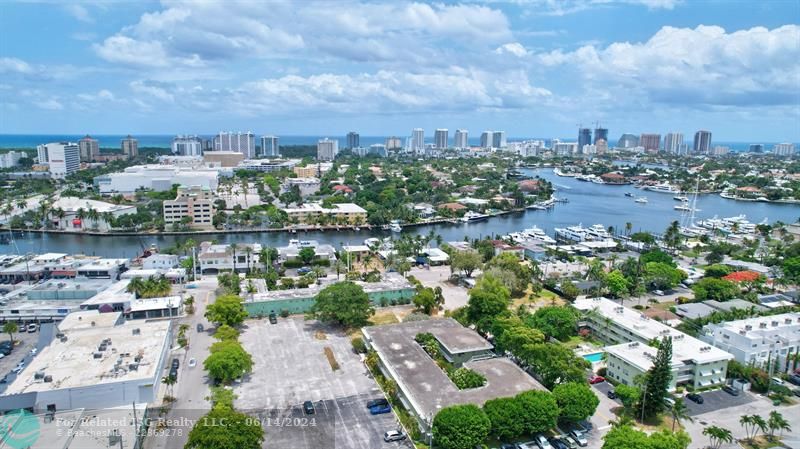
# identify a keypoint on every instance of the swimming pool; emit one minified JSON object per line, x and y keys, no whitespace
{"x":594,"y":357}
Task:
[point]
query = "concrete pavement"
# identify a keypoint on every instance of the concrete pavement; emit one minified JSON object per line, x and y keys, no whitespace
{"x":454,"y":296}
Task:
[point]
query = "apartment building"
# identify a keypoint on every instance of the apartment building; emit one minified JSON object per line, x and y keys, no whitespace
{"x":757,"y":341}
{"x":340,"y":213}
{"x":629,"y":333}
{"x":241,"y":258}
{"x":196,"y":203}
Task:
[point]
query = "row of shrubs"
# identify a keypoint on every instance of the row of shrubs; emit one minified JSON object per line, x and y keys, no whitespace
{"x":463,"y":378}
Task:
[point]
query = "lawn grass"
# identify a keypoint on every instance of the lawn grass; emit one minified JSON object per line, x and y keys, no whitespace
{"x":383,"y":317}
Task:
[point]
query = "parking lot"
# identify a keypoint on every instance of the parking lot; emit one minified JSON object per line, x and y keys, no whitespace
{"x":290,"y":367}
{"x":24,"y":343}
{"x":717,"y":400}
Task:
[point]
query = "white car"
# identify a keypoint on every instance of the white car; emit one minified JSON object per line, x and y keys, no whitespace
{"x":579,"y":438}
{"x":192,"y":362}
{"x":542,"y":442}
{"x":19,"y":368}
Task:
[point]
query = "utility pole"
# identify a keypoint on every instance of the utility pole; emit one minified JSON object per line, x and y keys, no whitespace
{"x":644,"y":398}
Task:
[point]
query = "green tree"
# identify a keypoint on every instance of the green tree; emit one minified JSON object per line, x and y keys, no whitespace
{"x":663,"y":276}
{"x":460,"y":426}
{"x":569,"y":290}
{"x":225,"y":428}
{"x":343,"y":303}
{"x":554,"y":363}
{"x":226,"y":332}
{"x":10,"y":328}
{"x":227,"y":309}
{"x":629,"y":395}
{"x":307,"y":254}
{"x":656,"y":255}
{"x":465,"y":261}
{"x":228,"y":360}
{"x":511,"y":335}
{"x":658,"y":379}
{"x":679,"y":412}
{"x":626,"y":437}
{"x":539,"y":410}
{"x":555,"y":321}
{"x":776,"y":421}
{"x":487,"y":300}
{"x":617,"y":284}
{"x":717,"y":436}
{"x":576,"y":401}
{"x":713,"y":288}
{"x":425,"y":300}
{"x":505,"y":414}
{"x":717,"y":271}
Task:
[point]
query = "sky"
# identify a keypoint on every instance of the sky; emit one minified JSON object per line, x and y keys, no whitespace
{"x":532,"y":68}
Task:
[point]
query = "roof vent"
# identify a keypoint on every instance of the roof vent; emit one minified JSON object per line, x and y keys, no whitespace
{"x":48,"y":378}
{"x":98,"y":355}
{"x":137,"y":331}
{"x":762,"y":325}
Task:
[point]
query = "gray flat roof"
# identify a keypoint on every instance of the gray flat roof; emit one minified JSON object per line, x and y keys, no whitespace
{"x":460,"y":339}
{"x":425,"y":384}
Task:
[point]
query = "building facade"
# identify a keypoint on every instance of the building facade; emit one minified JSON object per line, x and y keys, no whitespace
{"x":499,"y":139}
{"x":757,"y":341}
{"x":783,"y":149}
{"x":461,"y":139}
{"x":487,"y":139}
{"x":394,"y":143}
{"x":327,"y":149}
{"x":342,"y":213}
{"x":441,"y":138}
{"x":63,"y":158}
{"x":756,"y":148}
{"x":629,"y":333}
{"x":673,"y":143}
{"x":187,"y":146}
{"x":600,"y":134}
{"x":353,"y":140}
{"x":270,"y":147}
{"x":628,"y":141}
{"x":650,"y":142}
{"x":130,"y":147}
{"x":196,"y":203}
{"x":417,"y":140}
{"x":89,"y":148}
{"x":239,"y":142}
{"x":11,"y":159}
{"x":214,"y":258}
{"x":702,"y":142}
{"x":584,"y":137}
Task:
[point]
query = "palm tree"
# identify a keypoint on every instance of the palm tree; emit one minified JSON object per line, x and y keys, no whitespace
{"x":628,"y":228}
{"x":679,"y":412}
{"x":234,"y":247}
{"x":775,"y":422}
{"x":169,"y":381}
{"x":718,"y":435}
{"x":10,"y":328}
{"x":759,"y":423}
{"x":21,"y":204}
{"x":135,"y":286}
{"x":248,"y":251}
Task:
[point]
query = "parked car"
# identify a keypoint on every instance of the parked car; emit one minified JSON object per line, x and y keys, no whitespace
{"x":176,"y":364}
{"x":4,"y":380}
{"x":594,"y":379}
{"x":308,"y":407}
{"x":304,"y":270}
{"x":658,"y":292}
{"x":730,"y":390}
{"x":393,"y":435}
{"x":509,"y":446}
{"x":199,"y":327}
{"x":669,"y":402}
{"x":557,"y":443}
{"x":611,"y":394}
{"x":569,"y":442}
{"x":33,"y":328}
{"x":18,"y":369}
{"x":694,"y":397}
{"x":273,"y":319}
{"x":794,"y":378}
{"x":380,"y":409}
{"x":796,"y":392}
{"x":376,"y":402}
{"x":542,"y":442}
{"x":192,"y":362}
{"x":579,"y":438}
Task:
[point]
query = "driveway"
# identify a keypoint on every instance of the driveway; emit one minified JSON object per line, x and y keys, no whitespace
{"x":454,"y":296}
{"x":718,"y":400}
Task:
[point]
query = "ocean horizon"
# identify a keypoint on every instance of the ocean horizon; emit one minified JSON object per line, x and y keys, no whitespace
{"x":30,"y":141}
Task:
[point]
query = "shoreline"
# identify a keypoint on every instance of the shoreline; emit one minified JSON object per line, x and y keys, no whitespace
{"x":289,"y":230}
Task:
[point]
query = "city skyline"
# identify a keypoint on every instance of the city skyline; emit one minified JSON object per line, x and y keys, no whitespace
{"x":532,"y":69}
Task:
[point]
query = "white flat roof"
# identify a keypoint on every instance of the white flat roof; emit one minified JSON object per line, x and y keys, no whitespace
{"x":684,"y":347}
{"x":72,"y":364}
{"x":166,"y":302}
{"x":761,"y":327}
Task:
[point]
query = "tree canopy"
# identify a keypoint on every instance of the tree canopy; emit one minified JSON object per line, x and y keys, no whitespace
{"x":539,"y":410}
{"x":228,"y":360}
{"x":460,"y":426}
{"x":576,"y":401}
{"x":555,"y":321}
{"x":487,"y":300}
{"x":225,"y":428}
{"x":227,"y":309}
{"x":713,"y":288}
{"x":343,"y":303}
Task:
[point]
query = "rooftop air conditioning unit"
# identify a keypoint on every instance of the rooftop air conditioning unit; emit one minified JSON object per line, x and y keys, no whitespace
{"x":137,"y":331}
{"x":98,"y":355}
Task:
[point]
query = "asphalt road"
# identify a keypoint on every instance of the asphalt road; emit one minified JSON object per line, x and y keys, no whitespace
{"x":193,"y":385}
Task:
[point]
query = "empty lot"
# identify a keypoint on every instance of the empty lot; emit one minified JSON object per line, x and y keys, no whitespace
{"x":290,"y":368}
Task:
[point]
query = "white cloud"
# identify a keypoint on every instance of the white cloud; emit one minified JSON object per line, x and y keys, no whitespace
{"x":153,"y":89}
{"x":514,"y":48}
{"x":79,"y":12}
{"x":15,"y":65}
{"x":195,"y":32}
{"x":566,"y":7}
{"x":101,"y":95}
{"x":50,"y":104}
{"x":705,"y":65}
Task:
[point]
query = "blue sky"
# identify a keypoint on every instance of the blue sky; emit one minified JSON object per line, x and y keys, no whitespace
{"x":532,"y":68}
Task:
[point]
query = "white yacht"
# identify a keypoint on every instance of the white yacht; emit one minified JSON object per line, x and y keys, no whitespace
{"x":679,"y":197}
{"x":662,"y":188}
{"x":394,"y":226}
{"x":573,"y":233}
{"x":471,"y":216}
{"x":641,"y":199}
{"x":597,"y":232}
{"x":536,"y":233}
